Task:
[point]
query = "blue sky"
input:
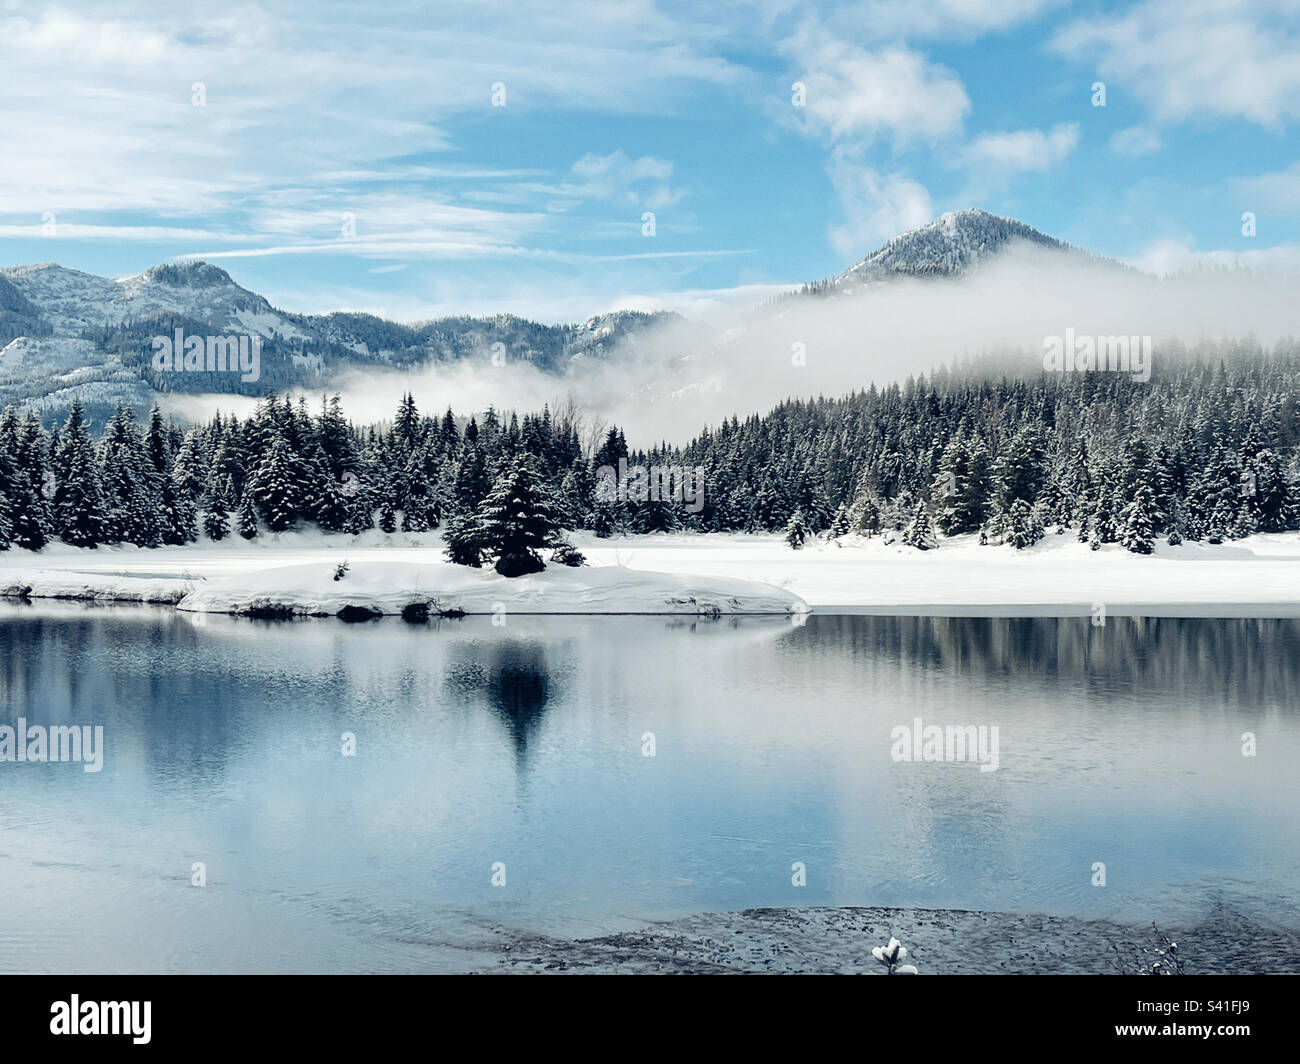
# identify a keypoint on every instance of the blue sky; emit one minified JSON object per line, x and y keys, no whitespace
{"x":249,"y":134}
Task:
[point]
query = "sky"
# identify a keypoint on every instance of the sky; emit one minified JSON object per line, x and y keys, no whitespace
{"x":560,"y":160}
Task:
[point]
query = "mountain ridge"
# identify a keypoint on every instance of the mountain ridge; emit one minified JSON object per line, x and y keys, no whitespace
{"x":87,"y":335}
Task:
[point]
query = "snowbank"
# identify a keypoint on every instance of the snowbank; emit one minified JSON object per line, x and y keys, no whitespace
{"x":374,"y":588}
{"x":93,"y":586}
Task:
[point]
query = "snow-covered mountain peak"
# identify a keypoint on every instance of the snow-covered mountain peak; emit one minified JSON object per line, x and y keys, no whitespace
{"x":949,"y":246}
{"x":71,"y":301}
{"x":181,"y":275}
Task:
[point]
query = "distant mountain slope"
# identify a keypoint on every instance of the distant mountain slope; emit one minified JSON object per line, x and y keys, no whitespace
{"x":55,"y":320}
{"x":19,"y":316}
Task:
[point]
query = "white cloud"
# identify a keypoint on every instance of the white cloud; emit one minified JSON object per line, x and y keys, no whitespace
{"x":875,"y":207}
{"x":1135,"y":141}
{"x":883,"y":19}
{"x":620,"y":179}
{"x":1188,"y":59}
{"x":1166,"y":257}
{"x":893,"y":91}
{"x":96,"y":101}
{"x":1278,"y":193}
{"x":1023,"y":149}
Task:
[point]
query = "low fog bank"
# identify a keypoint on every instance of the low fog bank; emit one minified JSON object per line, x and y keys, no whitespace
{"x":670,"y":383}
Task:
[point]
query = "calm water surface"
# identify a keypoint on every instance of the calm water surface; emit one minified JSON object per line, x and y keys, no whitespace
{"x":523,"y":745}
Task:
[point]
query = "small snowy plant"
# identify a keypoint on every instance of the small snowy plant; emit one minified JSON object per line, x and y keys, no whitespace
{"x":565,"y":553}
{"x":1162,"y":959}
{"x":341,"y":570}
{"x":892,"y":957}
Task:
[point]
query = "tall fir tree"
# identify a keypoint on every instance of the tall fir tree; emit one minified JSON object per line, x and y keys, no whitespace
{"x":518,"y":520}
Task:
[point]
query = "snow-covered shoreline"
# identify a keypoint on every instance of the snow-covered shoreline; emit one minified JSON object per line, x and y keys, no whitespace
{"x":374,"y":588}
{"x":416,"y":591}
{"x":1058,"y":576}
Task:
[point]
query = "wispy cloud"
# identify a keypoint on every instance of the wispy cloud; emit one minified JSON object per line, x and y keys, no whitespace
{"x":874,"y":207}
{"x":1194,"y":59}
{"x":1023,"y":149}
{"x":1135,"y":141}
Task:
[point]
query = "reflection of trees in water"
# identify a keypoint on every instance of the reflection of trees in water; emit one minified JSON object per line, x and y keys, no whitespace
{"x":514,"y":680}
{"x":1252,"y":660}
{"x":141,"y":672}
{"x":518,"y":692}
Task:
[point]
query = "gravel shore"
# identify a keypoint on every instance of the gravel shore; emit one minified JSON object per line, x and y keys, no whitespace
{"x":939,"y":941}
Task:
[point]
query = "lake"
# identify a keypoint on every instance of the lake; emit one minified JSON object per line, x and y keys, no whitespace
{"x":524,"y":748}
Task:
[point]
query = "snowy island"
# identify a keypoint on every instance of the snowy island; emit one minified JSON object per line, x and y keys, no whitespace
{"x":415,"y":591}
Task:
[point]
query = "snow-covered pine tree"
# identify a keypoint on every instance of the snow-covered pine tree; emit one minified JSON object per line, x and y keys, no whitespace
{"x":416,"y":518}
{"x":274,"y":487}
{"x":1023,"y":526}
{"x":1274,"y":508}
{"x":869,"y":516}
{"x":1137,"y":521}
{"x":918,"y":533}
{"x":1104,"y":513}
{"x":416,"y":495}
{"x":10,"y":482}
{"x":604,"y":519}
{"x":442,"y":491}
{"x":335,"y":438}
{"x":961,"y":487}
{"x":840,"y":523}
{"x":246,"y":517}
{"x":472,"y":480}
{"x":771,"y":509}
{"x":228,"y":463}
{"x":518,"y":519}
{"x":130,"y":483}
{"x":571,"y":502}
{"x":216,"y":519}
{"x":1219,"y":496}
{"x":6,"y":521}
{"x":78,"y":495}
{"x":178,"y":514}
{"x":332,"y":506}
{"x":24,"y":443}
{"x":360,"y":507}
{"x":462,"y":537}
{"x":1019,"y":470}
{"x":796,"y":531}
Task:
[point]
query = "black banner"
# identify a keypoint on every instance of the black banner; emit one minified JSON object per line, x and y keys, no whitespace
{"x":335,"y":1013}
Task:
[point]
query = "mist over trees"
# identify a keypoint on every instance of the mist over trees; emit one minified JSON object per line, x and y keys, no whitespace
{"x":1204,"y":451}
